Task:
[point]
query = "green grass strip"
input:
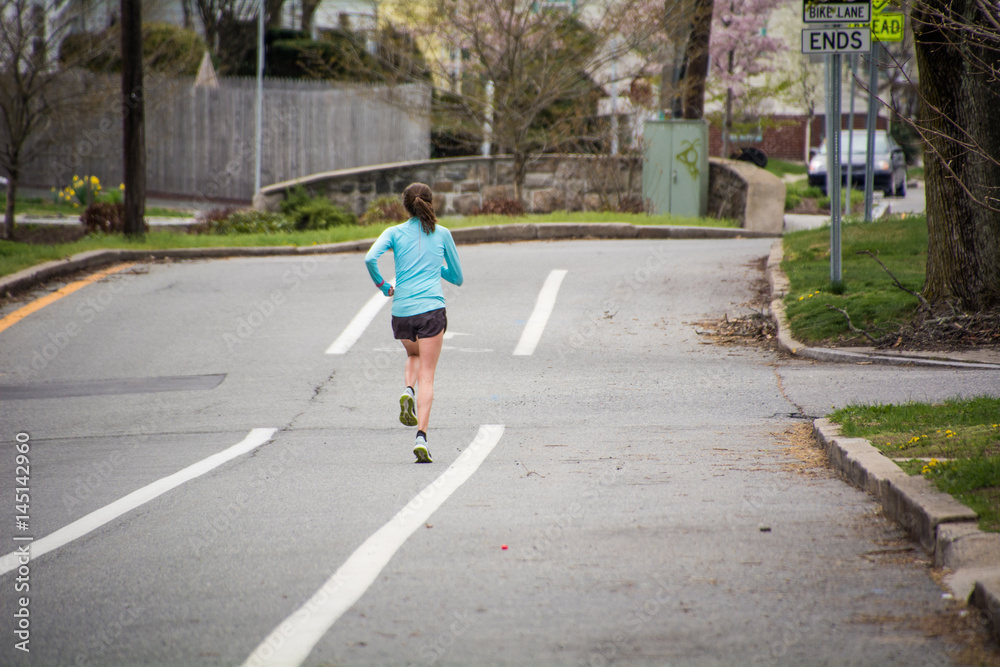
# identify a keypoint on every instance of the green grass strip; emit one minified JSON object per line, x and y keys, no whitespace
{"x":867,"y":293}
{"x":17,"y":256}
{"x":964,"y":432}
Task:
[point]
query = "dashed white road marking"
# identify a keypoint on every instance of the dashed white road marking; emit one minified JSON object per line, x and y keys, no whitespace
{"x":98,"y":518}
{"x":296,"y":636}
{"x":540,"y":315}
{"x":352,"y":332}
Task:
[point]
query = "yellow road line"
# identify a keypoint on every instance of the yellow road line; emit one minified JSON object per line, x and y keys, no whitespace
{"x":38,"y":304}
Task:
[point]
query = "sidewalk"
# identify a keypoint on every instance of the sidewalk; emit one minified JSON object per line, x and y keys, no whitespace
{"x":797,"y":221}
{"x":945,"y":528}
{"x":153,"y":221}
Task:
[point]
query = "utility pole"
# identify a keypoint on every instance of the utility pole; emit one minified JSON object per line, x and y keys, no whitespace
{"x":133,"y":133}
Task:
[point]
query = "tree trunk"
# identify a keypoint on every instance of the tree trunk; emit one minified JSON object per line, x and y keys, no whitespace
{"x":520,"y":170}
{"x":133,"y":130}
{"x":8,"y":218}
{"x":272,"y":13}
{"x":308,"y":11}
{"x":697,"y":60}
{"x":962,"y":181}
{"x":727,"y":128}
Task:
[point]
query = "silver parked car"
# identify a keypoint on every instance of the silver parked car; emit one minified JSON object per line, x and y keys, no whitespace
{"x":889,"y":173}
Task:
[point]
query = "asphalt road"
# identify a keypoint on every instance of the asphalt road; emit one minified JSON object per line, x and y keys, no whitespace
{"x":656,"y":500}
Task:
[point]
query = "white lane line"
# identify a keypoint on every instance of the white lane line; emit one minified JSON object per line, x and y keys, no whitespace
{"x":98,"y":518}
{"x":291,"y":642}
{"x":352,"y":332}
{"x":540,"y":316}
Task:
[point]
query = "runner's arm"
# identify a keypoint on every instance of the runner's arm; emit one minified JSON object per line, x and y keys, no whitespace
{"x":383,"y":243}
{"x":452,"y":270}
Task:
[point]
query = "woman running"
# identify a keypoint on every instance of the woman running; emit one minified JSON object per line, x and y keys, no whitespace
{"x":423,"y":253}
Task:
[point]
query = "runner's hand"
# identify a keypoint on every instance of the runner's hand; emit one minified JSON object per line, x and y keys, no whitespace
{"x":392,"y":290}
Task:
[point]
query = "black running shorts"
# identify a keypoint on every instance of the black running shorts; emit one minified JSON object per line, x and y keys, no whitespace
{"x":424,"y":325}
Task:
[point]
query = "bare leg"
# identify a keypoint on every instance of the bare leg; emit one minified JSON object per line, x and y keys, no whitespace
{"x":412,"y":368}
{"x":429,"y":350}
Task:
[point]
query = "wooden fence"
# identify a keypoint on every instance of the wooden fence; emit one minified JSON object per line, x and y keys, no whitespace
{"x":200,"y":142}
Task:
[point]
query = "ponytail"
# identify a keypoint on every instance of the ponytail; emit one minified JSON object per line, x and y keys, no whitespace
{"x":418,"y":202}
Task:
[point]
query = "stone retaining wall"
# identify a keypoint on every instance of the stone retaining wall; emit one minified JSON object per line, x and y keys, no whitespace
{"x":737,"y":190}
{"x":461,"y":185}
{"x":745,"y":192}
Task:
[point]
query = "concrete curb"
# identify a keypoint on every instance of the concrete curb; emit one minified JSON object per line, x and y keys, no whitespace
{"x":779,"y":288}
{"x":33,"y":275}
{"x":941,"y":525}
{"x":28,"y":278}
{"x":944,"y":527}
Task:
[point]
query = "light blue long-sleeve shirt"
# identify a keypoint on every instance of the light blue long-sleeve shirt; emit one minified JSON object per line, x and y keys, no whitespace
{"x":422,"y":260}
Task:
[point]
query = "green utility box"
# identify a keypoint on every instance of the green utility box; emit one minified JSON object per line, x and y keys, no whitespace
{"x":675,"y":167}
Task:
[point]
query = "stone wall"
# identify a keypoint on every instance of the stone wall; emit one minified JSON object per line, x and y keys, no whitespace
{"x":737,"y":190}
{"x":461,"y":185}
{"x":747,"y":193}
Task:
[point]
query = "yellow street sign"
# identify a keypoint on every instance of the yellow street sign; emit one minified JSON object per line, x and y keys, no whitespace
{"x":887,"y":27}
{"x":878,"y":5}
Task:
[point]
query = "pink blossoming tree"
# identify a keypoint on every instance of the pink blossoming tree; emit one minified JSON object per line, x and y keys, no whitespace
{"x":741,"y":56}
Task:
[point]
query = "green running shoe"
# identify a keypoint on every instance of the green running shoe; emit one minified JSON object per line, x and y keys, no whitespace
{"x":420,"y":451}
{"x":407,"y":409}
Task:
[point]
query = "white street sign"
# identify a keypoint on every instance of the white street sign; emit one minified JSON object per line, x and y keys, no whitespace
{"x":831,"y":11}
{"x":836,"y":40}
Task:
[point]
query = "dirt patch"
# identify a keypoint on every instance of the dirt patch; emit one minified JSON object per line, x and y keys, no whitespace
{"x":48,"y":234}
{"x":959,"y":625}
{"x":755,"y":328}
{"x":808,"y":206}
{"x":947,"y":331}
{"x":808,"y":458}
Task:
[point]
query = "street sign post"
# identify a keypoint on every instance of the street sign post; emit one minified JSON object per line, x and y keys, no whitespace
{"x":849,"y":27}
{"x":836,"y":11}
{"x":836,"y":39}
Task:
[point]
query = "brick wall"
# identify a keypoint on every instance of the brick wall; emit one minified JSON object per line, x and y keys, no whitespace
{"x":786,"y":141}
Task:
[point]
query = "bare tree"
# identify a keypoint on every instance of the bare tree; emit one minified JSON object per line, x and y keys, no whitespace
{"x":506,"y":64}
{"x":36,"y":89}
{"x":230,"y":27}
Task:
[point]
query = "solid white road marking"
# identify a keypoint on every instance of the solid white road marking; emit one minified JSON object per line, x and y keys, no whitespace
{"x":350,"y":335}
{"x":98,"y":518}
{"x":540,"y":316}
{"x":296,"y":636}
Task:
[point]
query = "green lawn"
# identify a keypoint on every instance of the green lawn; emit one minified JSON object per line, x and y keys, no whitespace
{"x":781,"y":168}
{"x":17,"y":256}
{"x":585,"y":216}
{"x":867,"y":293}
{"x":46,"y":207}
{"x":955,"y":444}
